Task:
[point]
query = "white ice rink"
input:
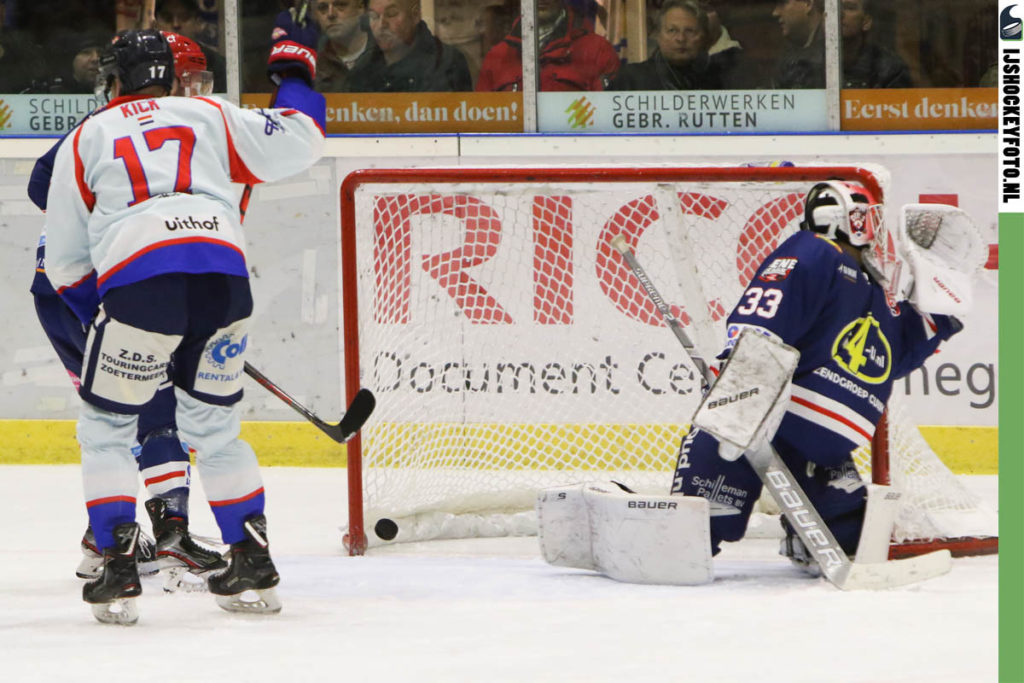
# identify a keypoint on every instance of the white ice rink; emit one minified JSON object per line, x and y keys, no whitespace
{"x":488,"y":610}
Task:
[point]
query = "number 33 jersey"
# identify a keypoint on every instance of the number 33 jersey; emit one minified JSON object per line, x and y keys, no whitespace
{"x":144,"y":188}
{"x":852,"y":344}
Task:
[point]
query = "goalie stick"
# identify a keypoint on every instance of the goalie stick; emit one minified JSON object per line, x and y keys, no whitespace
{"x":355,"y":416}
{"x":836,"y":566}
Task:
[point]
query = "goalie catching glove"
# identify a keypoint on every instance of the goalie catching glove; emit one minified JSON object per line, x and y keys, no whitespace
{"x":944,"y":251}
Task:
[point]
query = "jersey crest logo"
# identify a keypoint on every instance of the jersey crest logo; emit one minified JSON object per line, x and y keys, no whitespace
{"x":778,"y":270}
{"x":862,"y":350}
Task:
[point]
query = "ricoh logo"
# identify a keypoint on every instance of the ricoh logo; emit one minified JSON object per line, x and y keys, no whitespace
{"x":555,"y":227}
{"x":224,"y":348}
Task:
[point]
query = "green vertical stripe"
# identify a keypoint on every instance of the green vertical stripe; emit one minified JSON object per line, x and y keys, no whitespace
{"x":1011,"y":459}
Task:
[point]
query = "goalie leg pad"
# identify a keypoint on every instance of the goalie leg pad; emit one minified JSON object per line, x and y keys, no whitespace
{"x":634,"y":538}
{"x":650,"y":539}
{"x":563,"y":527}
{"x":879,"y":517}
{"x":731,"y":488}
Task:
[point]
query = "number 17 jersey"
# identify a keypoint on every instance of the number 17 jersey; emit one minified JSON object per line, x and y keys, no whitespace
{"x":144,"y":187}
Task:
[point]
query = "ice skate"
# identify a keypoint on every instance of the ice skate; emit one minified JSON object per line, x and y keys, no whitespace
{"x":183,"y":563}
{"x":247,"y":585}
{"x":113,"y":594}
{"x":792,"y":547}
{"x":92,"y":560}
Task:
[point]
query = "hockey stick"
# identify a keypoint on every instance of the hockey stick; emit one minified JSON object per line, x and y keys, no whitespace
{"x":355,"y":416}
{"x":801,"y":514}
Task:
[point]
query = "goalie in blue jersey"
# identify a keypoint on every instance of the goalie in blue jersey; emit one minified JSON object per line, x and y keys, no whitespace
{"x":834,"y":292}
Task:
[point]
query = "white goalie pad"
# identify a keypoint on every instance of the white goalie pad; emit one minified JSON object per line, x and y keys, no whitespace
{"x":629,"y":537}
{"x":879,"y":518}
{"x":945,"y":251}
{"x":563,"y":527}
{"x":748,"y":400}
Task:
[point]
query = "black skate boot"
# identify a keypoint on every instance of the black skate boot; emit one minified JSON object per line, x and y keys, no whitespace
{"x":247,"y":585}
{"x":178,"y":555}
{"x":92,"y":560}
{"x":113,"y":594}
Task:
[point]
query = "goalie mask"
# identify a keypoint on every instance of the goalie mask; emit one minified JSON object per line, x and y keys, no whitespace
{"x":848,"y":213}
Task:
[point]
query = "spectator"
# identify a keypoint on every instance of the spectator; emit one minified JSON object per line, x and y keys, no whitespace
{"x":866,"y":63}
{"x":85,"y":66}
{"x":718,"y":35}
{"x":343,"y":40}
{"x":496,"y":21}
{"x":680,"y":60}
{"x":406,"y":56}
{"x":182,"y":17}
{"x":457,"y":23}
{"x":21,"y":60}
{"x":802,"y":64}
{"x":736,"y":67}
{"x":571,"y":56}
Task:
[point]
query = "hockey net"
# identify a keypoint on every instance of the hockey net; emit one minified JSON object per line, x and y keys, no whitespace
{"x":510,"y":348}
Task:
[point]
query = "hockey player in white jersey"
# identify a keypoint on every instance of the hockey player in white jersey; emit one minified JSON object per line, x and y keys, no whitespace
{"x":145,"y":246}
{"x":162,"y":460}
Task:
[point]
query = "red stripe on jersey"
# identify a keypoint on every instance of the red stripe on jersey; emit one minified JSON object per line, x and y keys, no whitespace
{"x":240,"y":173}
{"x":830,"y":414}
{"x":293,"y":112}
{"x":63,"y":289}
{"x":159,"y":245}
{"x":110,"y":499}
{"x":248,"y":496}
{"x":165,"y":477}
{"x":87,"y":196}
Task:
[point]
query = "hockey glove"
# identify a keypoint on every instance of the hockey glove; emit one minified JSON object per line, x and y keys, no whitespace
{"x":293,"y":52}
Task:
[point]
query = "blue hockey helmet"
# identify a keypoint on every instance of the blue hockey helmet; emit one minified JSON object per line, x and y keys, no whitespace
{"x":139,"y":59}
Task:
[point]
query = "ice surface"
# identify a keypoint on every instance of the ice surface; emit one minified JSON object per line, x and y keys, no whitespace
{"x":486,"y":610}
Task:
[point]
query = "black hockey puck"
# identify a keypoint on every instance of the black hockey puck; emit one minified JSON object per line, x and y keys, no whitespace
{"x":385,"y":529}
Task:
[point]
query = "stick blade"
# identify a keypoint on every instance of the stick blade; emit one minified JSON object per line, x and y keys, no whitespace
{"x":358,"y":413}
{"x":895,"y":573}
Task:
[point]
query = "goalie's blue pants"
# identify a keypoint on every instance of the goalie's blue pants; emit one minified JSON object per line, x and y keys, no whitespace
{"x":732,"y":488}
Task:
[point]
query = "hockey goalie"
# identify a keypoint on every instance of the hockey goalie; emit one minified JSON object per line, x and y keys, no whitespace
{"x":830,"y":319}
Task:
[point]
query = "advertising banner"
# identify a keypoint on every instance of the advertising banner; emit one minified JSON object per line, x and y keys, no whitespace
{"x":919,"y":109}
{"x":434,"y":112}
{"x":699,"y":111}
{"x":43,"y":114}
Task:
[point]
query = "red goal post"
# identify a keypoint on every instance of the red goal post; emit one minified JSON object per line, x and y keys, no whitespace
{"x":463,"y":288}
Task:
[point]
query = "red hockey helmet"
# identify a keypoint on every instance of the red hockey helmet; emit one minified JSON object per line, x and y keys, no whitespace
{"x":189,"y":65}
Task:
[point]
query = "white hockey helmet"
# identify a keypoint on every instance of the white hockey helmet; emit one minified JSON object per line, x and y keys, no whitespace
{"x":848,"y":212}
{"x":842,"y":211}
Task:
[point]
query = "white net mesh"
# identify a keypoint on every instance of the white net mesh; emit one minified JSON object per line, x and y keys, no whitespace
{"x":511,"y":349}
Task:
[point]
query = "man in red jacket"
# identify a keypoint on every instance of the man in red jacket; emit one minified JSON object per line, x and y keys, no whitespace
{"x":571,"y":55}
